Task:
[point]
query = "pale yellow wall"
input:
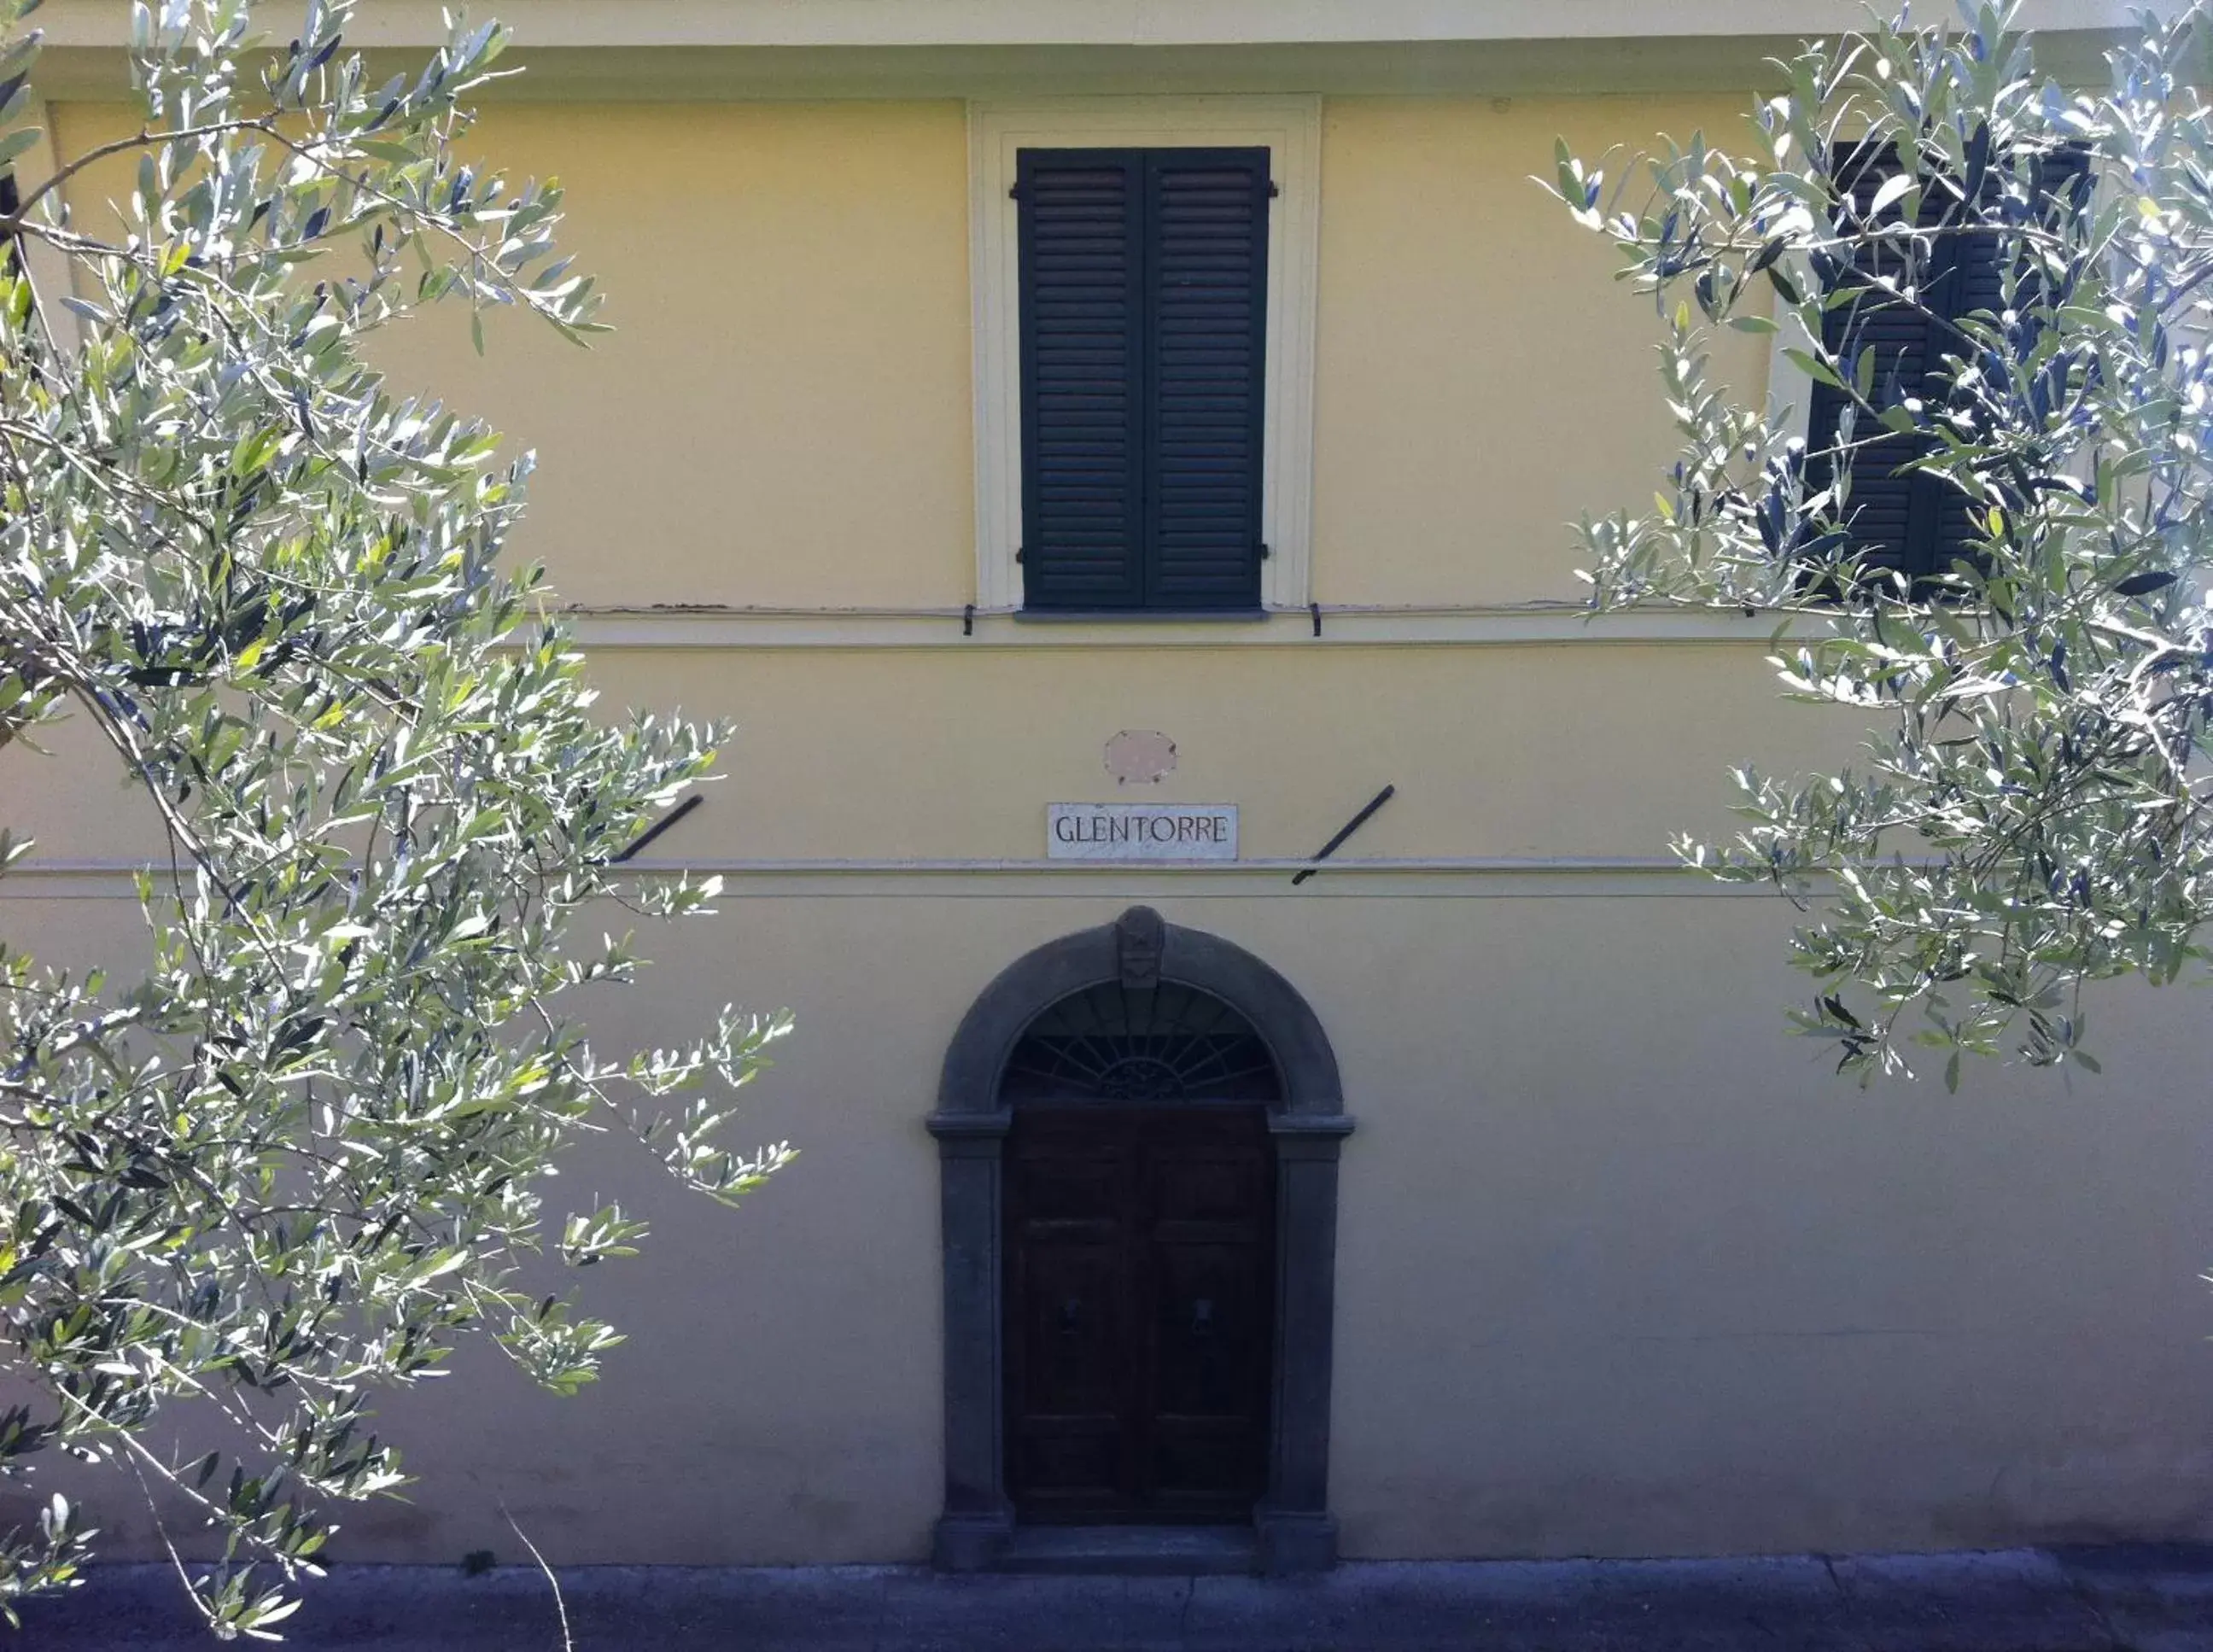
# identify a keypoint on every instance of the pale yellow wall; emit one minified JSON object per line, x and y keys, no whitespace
{"x":933,"y":755}
{"x":1481,"y":379}
{"x":784,"y":415}
{"x":1496,"y":752}
{"x":1624,"y":1269}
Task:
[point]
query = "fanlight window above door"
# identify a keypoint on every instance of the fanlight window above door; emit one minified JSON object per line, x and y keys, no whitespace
{"x":1168,"y":1043}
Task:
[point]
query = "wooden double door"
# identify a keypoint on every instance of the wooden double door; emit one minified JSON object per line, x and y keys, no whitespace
{"x":1139,"y":1311}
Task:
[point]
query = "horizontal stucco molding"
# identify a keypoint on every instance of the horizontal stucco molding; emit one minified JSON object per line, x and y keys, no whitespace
{"x":695,"y":24}
{"x":1423,"y":878}
{"x":1563,"y":624}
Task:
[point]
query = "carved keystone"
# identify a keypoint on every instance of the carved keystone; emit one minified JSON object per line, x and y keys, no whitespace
{"x":1138,"y":935}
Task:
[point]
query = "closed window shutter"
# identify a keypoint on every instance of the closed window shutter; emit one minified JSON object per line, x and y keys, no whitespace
{"x":1916,"y":525}
{"x":10,"y":204}
{"x":1144,"y":330}
{"x":1893,"y":514}
{"x":1208,"y":251}
{"x":1082,"y":305}
{"x":1975,"y":286}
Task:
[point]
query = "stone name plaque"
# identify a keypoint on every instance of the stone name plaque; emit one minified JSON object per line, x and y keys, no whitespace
{"x":1140,"y":832}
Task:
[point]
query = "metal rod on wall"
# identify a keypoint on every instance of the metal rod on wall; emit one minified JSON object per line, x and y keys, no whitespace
{"x":1347,"y":831}
{"x":660,"y":826}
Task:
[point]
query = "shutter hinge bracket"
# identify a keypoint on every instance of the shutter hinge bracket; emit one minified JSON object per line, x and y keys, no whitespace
{"x":1015,"y":193}
{"x":1266,"y":553}
{"x":1019,"y":551}
{"x":1274,"y":189}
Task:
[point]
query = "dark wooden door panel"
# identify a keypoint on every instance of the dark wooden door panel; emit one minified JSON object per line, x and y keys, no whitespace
{"x":1208,"y":1331}
{"x":1068,"y":1318}
{"x":1208,"y":1181}
{"x":1211,"y":1292}
{"x":1140,"y":1270}
{"x":1073,"y":1303}
{"x":1202,"y":1470}
{"x":1063,"y":1176}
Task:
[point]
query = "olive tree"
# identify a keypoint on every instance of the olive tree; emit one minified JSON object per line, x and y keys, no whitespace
{"x":297,"y":1149}
{"x":2028,"y":815}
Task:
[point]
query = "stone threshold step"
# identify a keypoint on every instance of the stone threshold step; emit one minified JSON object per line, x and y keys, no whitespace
{"x":1132,"y":1550}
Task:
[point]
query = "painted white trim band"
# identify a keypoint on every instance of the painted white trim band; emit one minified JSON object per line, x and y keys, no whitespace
{"x":1536,"y":625}
{"x":1413,"y":877}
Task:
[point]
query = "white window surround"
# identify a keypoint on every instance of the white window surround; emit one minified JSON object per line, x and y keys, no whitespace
{"x":1289,"y":128}
{"x":50,"y":270}
{"x":1790,"y":387}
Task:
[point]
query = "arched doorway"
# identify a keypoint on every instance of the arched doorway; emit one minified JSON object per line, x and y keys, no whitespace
{"x":1138,"y":1127}
{"x":1138,"y":1259}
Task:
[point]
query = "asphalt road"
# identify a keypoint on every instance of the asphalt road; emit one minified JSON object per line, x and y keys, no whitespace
{"x":2146,"y":1599}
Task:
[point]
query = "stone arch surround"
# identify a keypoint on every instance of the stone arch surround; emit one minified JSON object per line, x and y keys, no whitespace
{"x":1293,"y":1526}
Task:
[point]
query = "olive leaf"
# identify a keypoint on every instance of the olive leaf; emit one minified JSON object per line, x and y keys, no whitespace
{"x":2028,"y":815}
{"x":301,"y":1147}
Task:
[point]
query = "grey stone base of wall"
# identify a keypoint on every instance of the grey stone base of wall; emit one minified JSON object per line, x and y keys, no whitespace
{"x":2144,"y":1599}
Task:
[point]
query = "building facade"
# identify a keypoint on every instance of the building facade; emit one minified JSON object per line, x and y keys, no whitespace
{"x":1094,"y":452}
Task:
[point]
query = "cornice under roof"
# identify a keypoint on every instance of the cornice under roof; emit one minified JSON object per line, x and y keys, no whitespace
{"x":694,"y":23}
{"x":713,"y":50}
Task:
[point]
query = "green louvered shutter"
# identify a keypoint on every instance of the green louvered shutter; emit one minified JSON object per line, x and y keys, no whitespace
{"x":1893,"y":513}
{"x":1974,"y":286}
{"x":1082,"y":304}
{"x":1207,"y":253}
{"x":1143,"y":315}
{"x":1914,"y":524}
{"x":10,"y":204}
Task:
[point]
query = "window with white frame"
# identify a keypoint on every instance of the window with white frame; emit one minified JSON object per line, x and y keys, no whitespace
{"x":1144,"y":287}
